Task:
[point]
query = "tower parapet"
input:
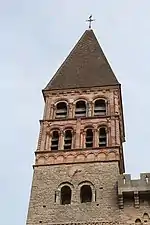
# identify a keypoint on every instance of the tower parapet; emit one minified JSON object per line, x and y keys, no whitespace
{"x":136,"y":189}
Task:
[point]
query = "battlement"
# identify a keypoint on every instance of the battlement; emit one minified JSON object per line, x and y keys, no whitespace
{"x":136,"y":189}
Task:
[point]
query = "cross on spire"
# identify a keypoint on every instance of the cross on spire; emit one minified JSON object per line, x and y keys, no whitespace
{"x":90,"y":20}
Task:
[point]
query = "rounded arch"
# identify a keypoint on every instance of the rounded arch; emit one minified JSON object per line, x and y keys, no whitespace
{"x":61,"y":109}
{"x":63,"y":194}
{"x":54,"y":128}
{"x":87,"y":191}
{"x":66,"y":193}
{"x":81,"y":108}
{"x":138,"y":221}
{"x":89,"y":126}
{"x":81,"y":98}
{"x":68,"y":139}
{"x":100,"y":107}
{"x":145,"y":217}
{"x":64,"y":184}
{"x":55,"y":136}
{"x":89,"y":138}
{"x":68,"y":127}
{"x":102,"y":136}
{"x":61,"y":100}
{"x":97,"y":97}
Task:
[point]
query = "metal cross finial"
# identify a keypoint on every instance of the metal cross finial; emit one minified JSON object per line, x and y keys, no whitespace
{"x":90,"y":20}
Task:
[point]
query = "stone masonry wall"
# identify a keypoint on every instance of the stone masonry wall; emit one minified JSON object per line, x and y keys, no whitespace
{"x":45,"y":209}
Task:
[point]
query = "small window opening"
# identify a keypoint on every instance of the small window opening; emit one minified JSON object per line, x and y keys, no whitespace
{"x":138,"y":222}
{"x":124,"y":179}
{"x":61,"y":110}
{"x":80,"y":109}
{"x":86,"y":194}
{"x":146,"y":178}
{"x":65,"y":195}
{"x":55,"y":140}
{"x":89,"y":138}
{"x":102,"y":137}
{"x":145,"y":217}
{"x":68,"y":139}
{"x":99,"y":107}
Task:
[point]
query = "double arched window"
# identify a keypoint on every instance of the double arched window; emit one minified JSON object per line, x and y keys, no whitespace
{"x":91,"y":139}
{"x":61,"y":110}
{"x":67,"y":137}
{"x":65,"y":193}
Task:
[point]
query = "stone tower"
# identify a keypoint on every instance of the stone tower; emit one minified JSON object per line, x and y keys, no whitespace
{"x":78,"y":173}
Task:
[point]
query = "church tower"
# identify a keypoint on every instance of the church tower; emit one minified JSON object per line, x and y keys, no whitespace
{"x":78,"y":171}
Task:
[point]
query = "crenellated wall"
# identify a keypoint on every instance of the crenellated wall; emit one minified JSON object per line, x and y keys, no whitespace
{"x":133,"y":191}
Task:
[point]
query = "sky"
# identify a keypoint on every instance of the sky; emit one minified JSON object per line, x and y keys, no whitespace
{"x":35,"y":38}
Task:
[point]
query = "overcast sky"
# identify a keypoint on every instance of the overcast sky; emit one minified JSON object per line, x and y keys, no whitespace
{"x":35,"y":37}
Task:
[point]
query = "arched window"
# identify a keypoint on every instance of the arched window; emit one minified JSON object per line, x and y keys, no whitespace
{"x":89,"y":138}
{"x":55,"y":140}
{"x":68,"y":139}
{"x":99,"y":107}
{"x":65,"y":195}
{"x":145,"y":217}
{"x":85,"y":193}
{"x":61,"y":110}
{"x":138,"y":222}
{"x":102,"y":137}
{"x":80,"y":110}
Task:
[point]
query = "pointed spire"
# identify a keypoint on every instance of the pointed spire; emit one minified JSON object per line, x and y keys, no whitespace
{"x":86,"y":66}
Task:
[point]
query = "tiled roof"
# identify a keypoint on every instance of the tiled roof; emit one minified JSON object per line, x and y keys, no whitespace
{"x":86,"y":66}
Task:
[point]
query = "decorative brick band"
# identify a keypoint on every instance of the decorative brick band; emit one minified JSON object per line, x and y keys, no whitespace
{"x":51,"y":158}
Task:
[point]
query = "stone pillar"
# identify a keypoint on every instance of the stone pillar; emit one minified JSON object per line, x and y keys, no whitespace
{"x":73,"y":139}
{"x":95,"y":138}
{"x":47,"y":138}
{"x":108,"y":136}
{"x":82,"y":136}
{"x":52,"y":111}
{"x":70,"y":110}
{"x":90,"y":112}
{"x":61,"y":141}
{"x":73,"y":110}
{"x":78,"y":125}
